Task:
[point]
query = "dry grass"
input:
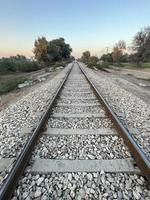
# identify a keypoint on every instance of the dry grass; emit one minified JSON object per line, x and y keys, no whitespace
{"x":10,"y":82}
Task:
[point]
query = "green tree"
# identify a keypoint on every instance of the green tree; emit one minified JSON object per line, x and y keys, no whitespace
{"x":93,"y":59}
{"x":58,"y":50}
{"x":51,"y":51}
{"x":124,"y":58}
{"x":141,"y":44}
{"x":107,"y":57}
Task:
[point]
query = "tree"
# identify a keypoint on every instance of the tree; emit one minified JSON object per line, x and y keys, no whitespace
{"x":85,"y":55}
{"x":121,"y":45}
{"x":118,"y":51}
{"x":141,"y":44}
{"x":107,"y":57}
{"x":41,"y":50}
{"x":18,"y":57}
{"x":51,"y":51}
{"x":124,"y":58}
{"x":93,"y":59}
{"x":58,"y":50}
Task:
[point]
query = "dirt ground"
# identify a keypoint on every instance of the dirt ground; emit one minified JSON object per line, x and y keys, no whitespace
{"x":135,"y":81}
{"x":143,"y":74}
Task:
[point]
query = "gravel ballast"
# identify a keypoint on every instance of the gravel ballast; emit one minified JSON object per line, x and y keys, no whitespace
{"x":78,"y":109}
{"x":90,"y":123}
{"x":132,"y":111}
{"x":19,"y":120}
{"x":23,"y":116}
{"x":68,"y":186}
{"x":81,"y":147}
{"x":76,"y":101}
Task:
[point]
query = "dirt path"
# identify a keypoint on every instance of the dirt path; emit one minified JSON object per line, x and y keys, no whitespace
{"x":138,"y":87}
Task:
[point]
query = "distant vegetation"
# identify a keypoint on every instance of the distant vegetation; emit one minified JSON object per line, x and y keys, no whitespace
{"x":11,"y":70}
{"x":52,"y":53}
{"x":140,"y":56}
{"x":48,"y":52}
{"x":17,"y":63}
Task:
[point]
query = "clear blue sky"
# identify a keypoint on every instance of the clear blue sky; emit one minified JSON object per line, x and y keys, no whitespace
{"x":85,"y":24}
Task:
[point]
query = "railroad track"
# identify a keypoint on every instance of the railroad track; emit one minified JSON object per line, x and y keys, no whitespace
{"x":77,"y":149}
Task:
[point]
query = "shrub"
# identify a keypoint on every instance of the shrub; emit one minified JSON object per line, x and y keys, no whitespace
{"x":146,"y":65}
{"x":98,"y":66}
{"x":7,"y":65}
{"x":13,"y":64}
{"x":8,"y":84}
{"x":27,"y":66}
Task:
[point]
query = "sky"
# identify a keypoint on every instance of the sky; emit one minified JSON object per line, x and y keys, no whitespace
{"x":90,"y":25}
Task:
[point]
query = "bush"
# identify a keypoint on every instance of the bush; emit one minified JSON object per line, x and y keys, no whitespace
{"x":8,"y":84}
{"x":61,"y":63}
{"x":120,"y":64}
{"x":103,"y":65}
{"x":98,"y":66}
{"x":7,"y":65}
{"x":13,"y":64}
{"x":146,"y":65}
{"x":90,"y":64}
{"x":27,"y":66}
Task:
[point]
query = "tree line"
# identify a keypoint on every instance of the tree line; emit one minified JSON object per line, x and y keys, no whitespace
{"x":119,"y":54}
{"x":46,"y":54}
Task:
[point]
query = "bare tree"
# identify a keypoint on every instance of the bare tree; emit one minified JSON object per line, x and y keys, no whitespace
{"x":118,"y":50}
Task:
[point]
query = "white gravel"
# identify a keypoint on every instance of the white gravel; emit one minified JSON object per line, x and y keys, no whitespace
{"x":24,"y":115}
{"x":78,"y":109}
{"x":83,"y":185}
{"x":75,"y":101}
{"x":88,"y":95}
{"x":90,"y":123}
{"x":68,"y":186}
{"x":134,"y":112}
{"x":79,"y":89}
{"x":81,"y":147}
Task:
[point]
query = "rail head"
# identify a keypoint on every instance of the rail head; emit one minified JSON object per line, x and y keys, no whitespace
{"x":141,"y":159}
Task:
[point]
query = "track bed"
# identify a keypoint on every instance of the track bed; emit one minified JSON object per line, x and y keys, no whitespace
{"x":79,"y":154}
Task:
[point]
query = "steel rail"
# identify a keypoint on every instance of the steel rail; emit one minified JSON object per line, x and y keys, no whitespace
{"x":10,"y":183}
{"x":141,"y":159}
